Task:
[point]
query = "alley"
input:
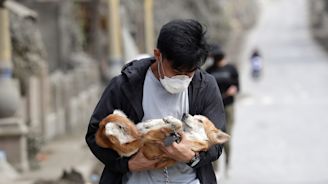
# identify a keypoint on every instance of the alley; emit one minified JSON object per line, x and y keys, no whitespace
{"x":280,"y":131}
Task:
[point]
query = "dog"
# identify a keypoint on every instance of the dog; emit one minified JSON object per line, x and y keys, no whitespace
{"x":119,"y":133}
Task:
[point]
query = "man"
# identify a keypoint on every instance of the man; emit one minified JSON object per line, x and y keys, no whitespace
{"x":256,"y":64}
{"x":168,"y":84}
{"x":227,"y":79}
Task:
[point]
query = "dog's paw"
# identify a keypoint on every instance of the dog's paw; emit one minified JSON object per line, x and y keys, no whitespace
{"x":172,"y":121}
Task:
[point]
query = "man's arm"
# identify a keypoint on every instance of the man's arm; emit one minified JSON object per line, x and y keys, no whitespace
{"x":106,"y":105}
{"x":235,"y":77}
{"x":213,"y":110}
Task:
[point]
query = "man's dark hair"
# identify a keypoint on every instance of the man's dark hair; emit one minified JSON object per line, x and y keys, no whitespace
{"x":182,"y":42}
{"x":216,"y":52}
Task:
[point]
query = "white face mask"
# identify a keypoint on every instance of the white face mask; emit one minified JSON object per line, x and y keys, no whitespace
{"x":175,"y":84}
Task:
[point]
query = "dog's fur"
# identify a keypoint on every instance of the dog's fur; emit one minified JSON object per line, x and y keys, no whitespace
{"x":202,"y":133}
{"x":156,"y":130}
{"x":116,"y":131}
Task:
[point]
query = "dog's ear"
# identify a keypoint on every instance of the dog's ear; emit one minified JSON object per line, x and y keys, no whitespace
{"x":222,"y":137}
{"x":103,"y":123}
{"x":101,"y":139}
{"x":119,"y":112}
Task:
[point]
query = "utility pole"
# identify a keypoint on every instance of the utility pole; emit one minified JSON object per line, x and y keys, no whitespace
{"x":114,"y":38}
{"x":9,"y":95}
{"x":149,"y":26}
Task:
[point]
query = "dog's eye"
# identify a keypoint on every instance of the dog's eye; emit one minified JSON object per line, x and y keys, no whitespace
{"x":200,"y":121}
{"x":120,"y":127}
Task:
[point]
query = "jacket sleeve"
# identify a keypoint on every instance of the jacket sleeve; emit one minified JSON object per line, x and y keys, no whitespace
{"x":214,"y":110}
{"x":235,"y":76}
{"x":106,"y":105}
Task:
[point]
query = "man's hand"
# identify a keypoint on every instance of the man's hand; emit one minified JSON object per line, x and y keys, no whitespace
{"x":140,"y":163}
{"x":179,"y":151}
{"x":232,"y":91}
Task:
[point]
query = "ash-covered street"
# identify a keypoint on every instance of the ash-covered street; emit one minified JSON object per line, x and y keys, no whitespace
{"x":281,"y":120}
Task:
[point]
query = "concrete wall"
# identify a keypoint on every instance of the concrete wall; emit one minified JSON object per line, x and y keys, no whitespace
{"x":319,"y":21}
{"x":13,"y":141}
{"x":60,"y":29}
{"x":72,"y":97}
{"x":222,"y":18}
{"x":56,"y":99}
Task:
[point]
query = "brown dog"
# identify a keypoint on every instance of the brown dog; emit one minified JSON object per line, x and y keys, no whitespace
{"x":116,"y":131}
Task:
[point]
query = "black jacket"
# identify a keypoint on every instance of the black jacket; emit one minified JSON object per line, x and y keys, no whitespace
{"x":225,"y":77}
{"x":125,"y":92}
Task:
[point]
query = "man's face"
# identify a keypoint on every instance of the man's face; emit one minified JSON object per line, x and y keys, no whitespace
{"x":167,"y":66}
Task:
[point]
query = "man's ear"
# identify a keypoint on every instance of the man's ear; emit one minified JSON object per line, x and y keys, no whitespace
{"x":157,"y":53}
